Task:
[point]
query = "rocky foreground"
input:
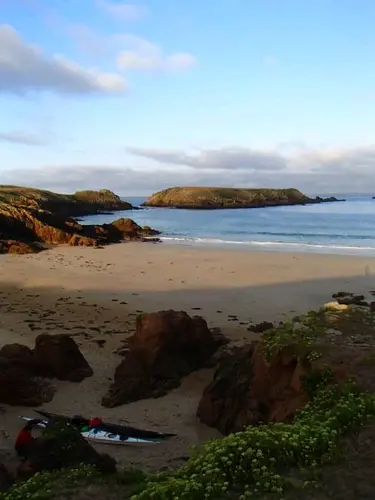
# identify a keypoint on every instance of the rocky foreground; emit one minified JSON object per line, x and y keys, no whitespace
{"x":30,"y":219}
{"x":219,"y":198}
{"x":288,"y":403}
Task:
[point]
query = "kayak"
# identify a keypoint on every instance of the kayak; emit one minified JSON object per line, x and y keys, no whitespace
{"x":98,"y":435}
{"x":126,"y":430}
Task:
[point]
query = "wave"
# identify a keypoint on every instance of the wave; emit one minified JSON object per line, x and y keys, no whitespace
{"x":306,"y":234}
{"x":217,"y":241}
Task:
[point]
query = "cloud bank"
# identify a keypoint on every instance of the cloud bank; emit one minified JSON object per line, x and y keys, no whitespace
{"x":314,"y":172}
{"x":25,"y":68}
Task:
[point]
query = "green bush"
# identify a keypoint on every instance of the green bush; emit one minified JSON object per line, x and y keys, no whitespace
{"x":258,"y":459}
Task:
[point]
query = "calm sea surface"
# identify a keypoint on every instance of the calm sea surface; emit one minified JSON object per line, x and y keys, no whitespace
{"x":341,"y":228}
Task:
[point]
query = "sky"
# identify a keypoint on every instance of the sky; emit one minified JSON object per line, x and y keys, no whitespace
{"x":137,"y":97}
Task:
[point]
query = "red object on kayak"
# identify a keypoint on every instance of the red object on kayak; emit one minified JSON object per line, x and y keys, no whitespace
{"x":95,"y":422}
{"x":24,"y":438}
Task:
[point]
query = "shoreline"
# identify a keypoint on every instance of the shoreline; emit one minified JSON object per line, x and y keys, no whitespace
{"x":270,"y":246}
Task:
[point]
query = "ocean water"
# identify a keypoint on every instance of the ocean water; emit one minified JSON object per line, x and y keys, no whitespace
{"x":339,"y":228}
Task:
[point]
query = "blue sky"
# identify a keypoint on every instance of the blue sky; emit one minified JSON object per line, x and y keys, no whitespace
{"x":140,"y":96}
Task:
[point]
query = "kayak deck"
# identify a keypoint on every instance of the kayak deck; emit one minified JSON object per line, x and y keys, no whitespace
{"x":113,"y":428}
{"x":100,"y":436}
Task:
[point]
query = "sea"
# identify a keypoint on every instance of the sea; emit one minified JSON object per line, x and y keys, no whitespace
{"x":336,"y":228}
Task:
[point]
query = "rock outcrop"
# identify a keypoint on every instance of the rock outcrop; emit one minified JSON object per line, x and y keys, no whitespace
{"x":216,"y":198}
{"x":167,"y":346}
{"x":22,"y":369}
{"x":27,"y":222}
{"x":58,"y":356}
{"x":247,"y":389}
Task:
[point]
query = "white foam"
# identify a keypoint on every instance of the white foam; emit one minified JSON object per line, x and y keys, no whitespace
{"x":216,"y":241}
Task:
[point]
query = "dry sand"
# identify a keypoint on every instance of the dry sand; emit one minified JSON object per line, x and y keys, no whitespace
{"x":96,"y":294}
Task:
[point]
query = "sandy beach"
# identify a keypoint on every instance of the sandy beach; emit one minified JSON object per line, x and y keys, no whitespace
{"x":95,"y":295}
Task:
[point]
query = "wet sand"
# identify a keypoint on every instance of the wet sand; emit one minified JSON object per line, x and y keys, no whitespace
{"x":95,"y":295}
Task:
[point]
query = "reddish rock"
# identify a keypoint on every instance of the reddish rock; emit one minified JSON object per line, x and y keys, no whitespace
{"x":58,"y":356}
{"x":18,"y":388}
{"x":247,"y":389}
{"x":19,"y":247}
{"x":167,"y":346}
{"x":78,"y":241}
{"x":26,"y":224}
{"x":125,"y":225}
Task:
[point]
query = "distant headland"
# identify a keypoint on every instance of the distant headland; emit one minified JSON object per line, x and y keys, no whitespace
{"x":222,"y":198}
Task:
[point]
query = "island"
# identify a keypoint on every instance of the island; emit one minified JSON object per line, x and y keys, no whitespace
{"x":31,"y":219}
{"x":222,"y":198}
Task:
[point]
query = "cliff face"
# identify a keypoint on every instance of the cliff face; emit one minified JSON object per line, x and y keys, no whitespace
{"x":216,"y":198}
{"x":30,"y":218}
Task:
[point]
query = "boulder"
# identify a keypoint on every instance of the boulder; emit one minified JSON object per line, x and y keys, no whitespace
{"x":58,"y":356}
{"x":126,"y":225}
{"x":18,"y":388}
{"x":261,"y":327}
{"x":247,"y":390}
{"x":19,"y":355}
{"x":19,"y":247}
{"x":60,"y":447}
{"x":166,"y":346}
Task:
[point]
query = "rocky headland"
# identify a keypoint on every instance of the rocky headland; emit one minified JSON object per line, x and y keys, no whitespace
{"x":30,"y":219}
{"x":221,"y":197}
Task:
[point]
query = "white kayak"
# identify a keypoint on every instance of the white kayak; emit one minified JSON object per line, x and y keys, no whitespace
{"x":100,"y":436}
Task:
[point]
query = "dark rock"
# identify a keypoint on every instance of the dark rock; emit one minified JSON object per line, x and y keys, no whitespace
{"x":18,"y":387}
{"x":19,"y":355}
{"x":261,"y":327}
{"x":341,"y":295}
{"x":58,"y":356}
{"x":352,"y":300}
{"x":167,"y":346}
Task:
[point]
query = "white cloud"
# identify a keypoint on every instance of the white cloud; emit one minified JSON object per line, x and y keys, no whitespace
{"x":18,"y":137}
{"x":24,"y":68}
{"x":138,"y":53}
{"x":130,"y":51}
{"x":124,"y":11}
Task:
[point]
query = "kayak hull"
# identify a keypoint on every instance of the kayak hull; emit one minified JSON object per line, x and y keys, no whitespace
{"x":113,"y":428}
{"x":100,"y":436}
